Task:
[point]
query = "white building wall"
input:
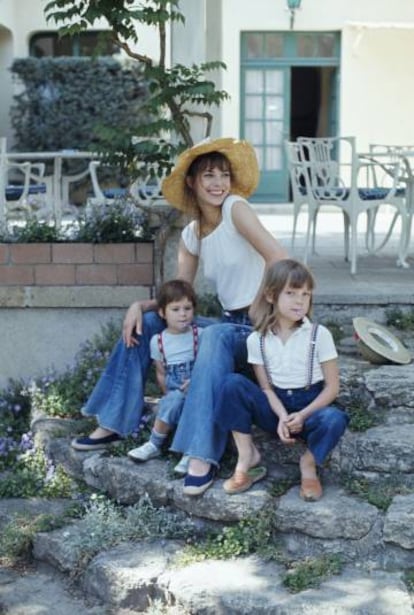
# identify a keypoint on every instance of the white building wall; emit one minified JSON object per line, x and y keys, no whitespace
{"x":376,"y":88}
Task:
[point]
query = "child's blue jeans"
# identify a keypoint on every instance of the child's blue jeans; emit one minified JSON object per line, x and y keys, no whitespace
{"x":242,"y":403}
{"x":171,"y":404}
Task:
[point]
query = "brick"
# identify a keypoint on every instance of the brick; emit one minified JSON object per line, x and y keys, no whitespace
{"x":135,"y":275}
{"x":4,"y":253}
{"x":15,"y":275}
{"x":30,"y":253}
{"x":72,"y":253}
{"x":55,"y":275}
{"x":96,"y":274}
{"x":145,"y":252}
{"x":114,"y":253}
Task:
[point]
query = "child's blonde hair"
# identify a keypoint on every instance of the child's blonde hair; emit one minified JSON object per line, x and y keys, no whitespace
{"x":280,"y":274}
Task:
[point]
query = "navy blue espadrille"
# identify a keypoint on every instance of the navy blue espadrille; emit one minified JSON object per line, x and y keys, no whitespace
{"x":196,"y":485}
{"x":91,"y":444}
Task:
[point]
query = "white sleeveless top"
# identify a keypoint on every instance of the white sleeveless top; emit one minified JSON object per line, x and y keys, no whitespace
{"x":229,"y":260}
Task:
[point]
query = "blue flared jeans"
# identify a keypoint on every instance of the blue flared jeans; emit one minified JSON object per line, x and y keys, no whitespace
{"x":117,"y":400}
{"x":242,"y":403}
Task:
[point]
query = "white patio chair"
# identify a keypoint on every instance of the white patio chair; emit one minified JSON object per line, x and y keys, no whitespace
{"x":386,"y":157}
{"x":145,"y":191}
{"x":299,"y":196}
{"x":335,"y":176}
{"x":22,"y":187}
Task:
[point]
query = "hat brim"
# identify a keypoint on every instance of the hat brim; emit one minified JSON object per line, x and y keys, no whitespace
{"x":243,"y":162}
{"x":377,"y":344}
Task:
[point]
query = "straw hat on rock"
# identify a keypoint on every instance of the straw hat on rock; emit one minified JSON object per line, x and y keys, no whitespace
{"x":244,"y":170}
{"x":377,"y":344}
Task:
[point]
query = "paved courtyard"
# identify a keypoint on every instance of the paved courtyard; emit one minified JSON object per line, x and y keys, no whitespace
{"x":377,"y":275}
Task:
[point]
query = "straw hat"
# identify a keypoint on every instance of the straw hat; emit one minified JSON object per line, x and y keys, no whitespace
{"x":377,"y":344}
{"x":243,"y":162}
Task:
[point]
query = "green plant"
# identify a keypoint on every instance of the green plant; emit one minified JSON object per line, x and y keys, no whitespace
{"x":400,"y":319}
{"x":17,"y":536}
{"x":311,"y":572}
{"x":63,"y":394}
{"x":34,"y":474}
{"x":175,"y":94}
{"x":336,"y":329}
{"x":250,"y":535}
{"x":33,"y":231}
{"x":74,"y":96}
{"x":360,"y":418}
{"x":104,"y":523}
{"x":208,"y":305}
{"x":379,"y":492}
{"x":118,"y":222}
{"x":409,"y":579}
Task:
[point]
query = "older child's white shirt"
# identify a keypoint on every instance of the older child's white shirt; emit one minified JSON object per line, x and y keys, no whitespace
{"x":288,"y":362}
{"x":229,"y":260}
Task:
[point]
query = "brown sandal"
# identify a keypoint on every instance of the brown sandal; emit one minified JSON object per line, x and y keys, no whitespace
{"x":242,"y":481}
{"x":310,"y":489}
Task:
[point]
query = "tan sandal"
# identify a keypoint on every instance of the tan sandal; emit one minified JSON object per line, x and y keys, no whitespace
{"x":242,"y":481}
{"x":311,"y":489}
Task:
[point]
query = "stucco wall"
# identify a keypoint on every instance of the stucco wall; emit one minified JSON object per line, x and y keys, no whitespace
{"x":376,"y":86}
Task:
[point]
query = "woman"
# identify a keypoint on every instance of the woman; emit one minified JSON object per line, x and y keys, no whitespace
{"x":210,"y":182}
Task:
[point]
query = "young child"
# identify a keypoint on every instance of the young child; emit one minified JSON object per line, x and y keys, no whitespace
{"x":296,"y":369}
{"x":173,"y":351}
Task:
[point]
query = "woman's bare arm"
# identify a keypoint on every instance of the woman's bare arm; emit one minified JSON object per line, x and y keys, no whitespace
{"x":187,"y":265}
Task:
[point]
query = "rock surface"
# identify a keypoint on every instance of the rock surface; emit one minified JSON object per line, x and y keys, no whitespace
{"x":375,"y":542}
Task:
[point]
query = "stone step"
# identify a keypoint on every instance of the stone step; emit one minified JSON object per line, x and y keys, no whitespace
{"x":131,"y":576}
{"x":386,"y":450}
{"x":338,"y":523}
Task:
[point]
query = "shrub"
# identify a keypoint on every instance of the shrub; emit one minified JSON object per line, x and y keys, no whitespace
{"x":117,"y":222}
{"x":74,"y":97}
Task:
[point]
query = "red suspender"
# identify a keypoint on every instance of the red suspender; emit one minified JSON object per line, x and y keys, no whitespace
{"x":195,"y":344}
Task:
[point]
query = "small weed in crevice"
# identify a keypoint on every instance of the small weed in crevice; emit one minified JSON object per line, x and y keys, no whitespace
{"x":360,"y":418}
{"x":400,"y":319}
{"x":251,"y":535}
{"x":379,"y":493}
{"x":336,"y":330}
{"x":280,"y":487}
{"x":409,"y":579}
{"x":310,"y":573}
{"x":16,"y":538}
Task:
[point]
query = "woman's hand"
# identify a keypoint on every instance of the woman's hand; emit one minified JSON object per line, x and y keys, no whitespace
{"x":295,"y":422}
{"x":132,"y":325}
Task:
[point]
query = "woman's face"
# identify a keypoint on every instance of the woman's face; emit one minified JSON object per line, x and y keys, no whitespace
{"x":211,"y":186}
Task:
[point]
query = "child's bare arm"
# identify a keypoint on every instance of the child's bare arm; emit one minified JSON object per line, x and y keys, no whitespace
{"x":326,"y":396}
{"x":160,"y":376}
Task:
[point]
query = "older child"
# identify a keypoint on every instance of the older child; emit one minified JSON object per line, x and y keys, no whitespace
{"x":174,"y":351}
{"x":295,"y":365}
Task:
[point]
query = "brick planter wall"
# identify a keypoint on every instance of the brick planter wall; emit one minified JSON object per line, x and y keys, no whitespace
{"x":77,"y":264}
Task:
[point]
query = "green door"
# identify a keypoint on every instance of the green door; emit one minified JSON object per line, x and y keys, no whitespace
{"x":289,"y":88}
